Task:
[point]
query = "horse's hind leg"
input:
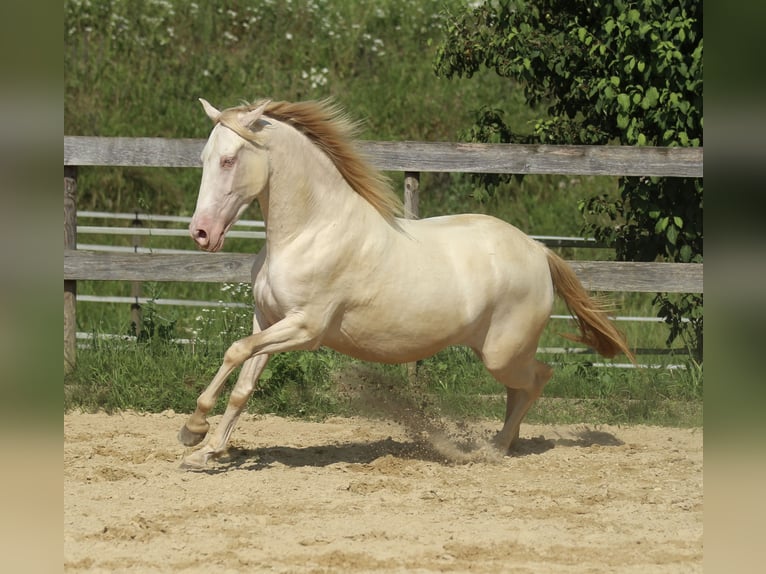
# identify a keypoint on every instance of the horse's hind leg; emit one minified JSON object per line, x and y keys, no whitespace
{"x":524,"y":384}
{"x":511,"y":397}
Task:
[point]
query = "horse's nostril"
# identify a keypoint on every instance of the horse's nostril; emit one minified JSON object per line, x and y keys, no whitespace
{"x":200,"y":237}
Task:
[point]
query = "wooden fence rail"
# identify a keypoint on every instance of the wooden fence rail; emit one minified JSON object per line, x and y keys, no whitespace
{"x":235,"y":268}
{"x":419,"y":157}
{"x":412,"y":158}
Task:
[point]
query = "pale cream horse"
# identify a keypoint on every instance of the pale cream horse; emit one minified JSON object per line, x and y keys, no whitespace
{"x":340,"y":269}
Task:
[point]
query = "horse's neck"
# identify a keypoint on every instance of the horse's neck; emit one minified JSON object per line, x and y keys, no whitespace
{"x":307,"y":194}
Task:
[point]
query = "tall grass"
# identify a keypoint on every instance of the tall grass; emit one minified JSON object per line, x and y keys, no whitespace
{"x":156,"y":372}
{"x":137,"y":67}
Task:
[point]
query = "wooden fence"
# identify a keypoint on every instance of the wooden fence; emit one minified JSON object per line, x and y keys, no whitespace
{"x":412,"y":158}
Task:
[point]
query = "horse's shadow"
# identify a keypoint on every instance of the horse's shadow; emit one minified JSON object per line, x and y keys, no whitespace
{"x":590,"y":437}
{"x":319,"y":456}
{"x":261,"y":458}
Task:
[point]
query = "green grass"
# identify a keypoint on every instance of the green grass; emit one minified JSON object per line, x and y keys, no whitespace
{"x":137,"y":67}
{"x":154,"y":373}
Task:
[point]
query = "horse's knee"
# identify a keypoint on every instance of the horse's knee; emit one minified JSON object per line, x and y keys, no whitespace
{"x":237,"y":353}
{"x":205,"y":403}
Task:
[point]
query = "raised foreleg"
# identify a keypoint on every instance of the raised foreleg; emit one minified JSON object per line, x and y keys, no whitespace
{"x":286,"y":335}
{"x":197,"y":426}
{"x":240,"y":394}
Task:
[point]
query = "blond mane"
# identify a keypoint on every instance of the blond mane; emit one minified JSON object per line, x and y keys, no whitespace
{"x":330,"y":129}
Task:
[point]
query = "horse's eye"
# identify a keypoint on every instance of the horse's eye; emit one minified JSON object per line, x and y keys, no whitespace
{"x":228,"y":162}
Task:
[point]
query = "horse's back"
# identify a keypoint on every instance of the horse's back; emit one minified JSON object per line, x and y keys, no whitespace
{"x":489,"y":258}
{"x":481,"y":247}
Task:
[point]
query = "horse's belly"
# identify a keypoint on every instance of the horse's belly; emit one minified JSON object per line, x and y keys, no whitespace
{"x":387,"y":341}
{"x":384,"y":351}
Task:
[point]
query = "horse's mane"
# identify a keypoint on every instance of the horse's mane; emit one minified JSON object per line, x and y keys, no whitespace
{"x":330,"y":129}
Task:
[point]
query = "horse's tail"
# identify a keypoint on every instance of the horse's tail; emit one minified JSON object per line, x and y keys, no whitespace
{"x":596,"y":330}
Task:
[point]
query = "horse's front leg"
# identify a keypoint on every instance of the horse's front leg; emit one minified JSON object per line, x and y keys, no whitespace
{"x":288,"y":334}
{"x":240,"y":394}
{"x":196,"y":427}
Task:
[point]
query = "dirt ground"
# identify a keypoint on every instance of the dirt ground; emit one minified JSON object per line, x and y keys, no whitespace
{"x":367,"y":495}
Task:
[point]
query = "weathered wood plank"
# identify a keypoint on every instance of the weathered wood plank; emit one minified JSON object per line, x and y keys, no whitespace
{"x":195,"y":267}
{"x":420,"y":157}
{"x":70,"y":286}
{"x":235,"y":268}
{"x":640,"y":277}
{"x":143,"y":152}
{"x":535,"y":159}
{"x":411,"y":194}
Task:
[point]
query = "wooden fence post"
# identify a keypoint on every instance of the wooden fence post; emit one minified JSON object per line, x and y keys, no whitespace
{"x":411,"y":201}
{"x":411,"y":194}
{"x":70,"y":286}
{"x":136,"y":315}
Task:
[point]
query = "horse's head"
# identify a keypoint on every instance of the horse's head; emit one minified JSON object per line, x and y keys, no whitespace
{"x":234,"y":171}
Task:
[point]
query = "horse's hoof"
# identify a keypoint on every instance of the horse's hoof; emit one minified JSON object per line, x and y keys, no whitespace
{"x":190,"y":438}
{"x":195,"y":461}
{"x":190,"y":466}
{"x":500,"y":445}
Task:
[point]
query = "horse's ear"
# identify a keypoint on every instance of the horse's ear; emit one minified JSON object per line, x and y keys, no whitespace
{"x":247,"y":119}
{"x":211,"y":112}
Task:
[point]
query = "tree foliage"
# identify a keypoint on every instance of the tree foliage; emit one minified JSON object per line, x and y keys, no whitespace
{"x":609,"y":72}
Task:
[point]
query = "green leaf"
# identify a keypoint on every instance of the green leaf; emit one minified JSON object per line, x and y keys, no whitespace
{"x":661,"y":225}
{"x":630,"y":133}
{"x":685,"y":253}
{"x":623,"y":120}
{"x":672,"y":234}
{"x":678,"y":221}
{"x":615,"y":81}
{"x":650,"y":98}
{"x":624,"y":101}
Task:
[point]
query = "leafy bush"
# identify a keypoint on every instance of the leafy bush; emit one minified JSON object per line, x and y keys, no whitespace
{"x":627,"y":72}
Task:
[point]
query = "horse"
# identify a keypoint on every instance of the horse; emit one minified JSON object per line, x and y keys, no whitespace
{"x":342,"y":266}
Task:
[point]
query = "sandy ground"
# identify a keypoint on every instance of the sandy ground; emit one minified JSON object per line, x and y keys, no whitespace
{"x":367,"y":495}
